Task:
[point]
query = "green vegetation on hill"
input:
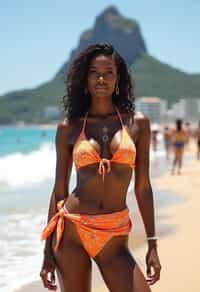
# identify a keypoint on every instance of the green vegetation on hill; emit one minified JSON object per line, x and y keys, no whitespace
{"x":28,"y":105}
{"x":153,"y":78}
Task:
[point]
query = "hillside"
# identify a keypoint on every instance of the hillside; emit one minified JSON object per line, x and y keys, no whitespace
{"x":153,"y":78}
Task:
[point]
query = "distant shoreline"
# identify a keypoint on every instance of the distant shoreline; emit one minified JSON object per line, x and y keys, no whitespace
{"x":54,"y":125}
{"x":24,"y":125}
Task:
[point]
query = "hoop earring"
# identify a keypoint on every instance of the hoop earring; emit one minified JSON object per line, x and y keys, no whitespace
{"x":117,"y":89}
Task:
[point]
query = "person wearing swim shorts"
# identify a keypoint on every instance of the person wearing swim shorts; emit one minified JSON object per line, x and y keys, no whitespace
{"x":106,"y":140}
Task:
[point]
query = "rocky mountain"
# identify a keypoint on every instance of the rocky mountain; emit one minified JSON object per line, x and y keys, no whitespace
{"x":112,"y":27}
{"x":152,"y":77}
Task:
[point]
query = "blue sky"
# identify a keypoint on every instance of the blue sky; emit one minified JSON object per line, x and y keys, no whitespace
{"x":36,"y":36}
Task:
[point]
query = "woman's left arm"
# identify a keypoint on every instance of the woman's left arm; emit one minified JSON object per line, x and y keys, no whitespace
{"x":144,"y":196}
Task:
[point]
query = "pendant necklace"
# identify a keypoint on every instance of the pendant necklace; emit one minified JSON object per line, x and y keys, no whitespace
{"x":105,"y":136}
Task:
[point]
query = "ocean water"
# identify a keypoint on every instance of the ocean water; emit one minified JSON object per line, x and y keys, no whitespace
{"x":27,"y":169}
{"x":27,"y":166}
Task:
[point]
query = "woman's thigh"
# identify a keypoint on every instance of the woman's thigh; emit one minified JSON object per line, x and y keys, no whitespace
{"x":119,"y":269}
{"x":73,"y":265}
{"x":179,"y":153}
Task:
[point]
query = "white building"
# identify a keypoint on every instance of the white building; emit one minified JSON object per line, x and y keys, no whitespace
{"x":153,"y":107}
{"x":186,"y":108}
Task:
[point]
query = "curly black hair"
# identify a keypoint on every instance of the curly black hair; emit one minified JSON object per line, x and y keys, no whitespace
{"x":179,"y":123}
{"x":76,"y":101}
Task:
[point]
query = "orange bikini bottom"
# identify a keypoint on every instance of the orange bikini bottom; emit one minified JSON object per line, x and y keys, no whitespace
{"x":94,"y":230}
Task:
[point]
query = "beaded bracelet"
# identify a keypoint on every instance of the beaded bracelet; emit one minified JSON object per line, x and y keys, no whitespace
{"x":152,"y":238}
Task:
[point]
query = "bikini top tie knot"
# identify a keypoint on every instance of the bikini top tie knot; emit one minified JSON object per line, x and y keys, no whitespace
{"x":84,"y":153}
{"x":102,"y":169}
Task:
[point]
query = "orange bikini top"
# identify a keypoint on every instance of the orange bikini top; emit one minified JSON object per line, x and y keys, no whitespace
{"x":85,"y":154}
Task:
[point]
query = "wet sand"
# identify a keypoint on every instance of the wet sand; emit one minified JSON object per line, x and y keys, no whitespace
{"x":180,"y":253}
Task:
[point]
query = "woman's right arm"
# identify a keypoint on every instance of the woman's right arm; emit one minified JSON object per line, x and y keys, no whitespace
{"x":60,"y":192}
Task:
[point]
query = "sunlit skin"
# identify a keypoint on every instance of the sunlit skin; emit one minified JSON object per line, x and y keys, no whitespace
{"x":93,"y":196}
{"x":178,"y":136}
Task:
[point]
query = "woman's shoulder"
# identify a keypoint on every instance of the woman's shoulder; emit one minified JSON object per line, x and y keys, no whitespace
{"x":63,"y":125}
{"x":137,"y":116}
{"x":139,"y":125}
{"x":67,"y":131}
{"x":66,"y":126}
{"x":141,"y":116}
{"x":142,"y":120}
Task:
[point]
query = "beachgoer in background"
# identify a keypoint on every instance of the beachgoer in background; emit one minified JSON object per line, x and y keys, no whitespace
{"x":197,"y":137}
{"x":154,"y":140}
{"x":188,"y":133}
{"x":102,"y":136}
{"x":167,"y":140}
{"x":154,"y":136}
{"x":178,"y":138}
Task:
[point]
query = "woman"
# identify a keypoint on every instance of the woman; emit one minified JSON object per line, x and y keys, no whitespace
{"x":197,"y":136}
{"x":188,"y":135}
{"x":179,"y":139}
{"x":154,"y":140}
{"x":101,"y":135}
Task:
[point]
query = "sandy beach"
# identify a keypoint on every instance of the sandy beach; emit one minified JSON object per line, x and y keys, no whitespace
{"x":177,"y":227}
{"x":180,"y":253}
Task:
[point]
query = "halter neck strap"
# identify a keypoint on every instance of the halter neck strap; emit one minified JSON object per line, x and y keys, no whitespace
{"x":84,"y":122}
{"x":118,"y":113}
{"x":86,"y":115}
